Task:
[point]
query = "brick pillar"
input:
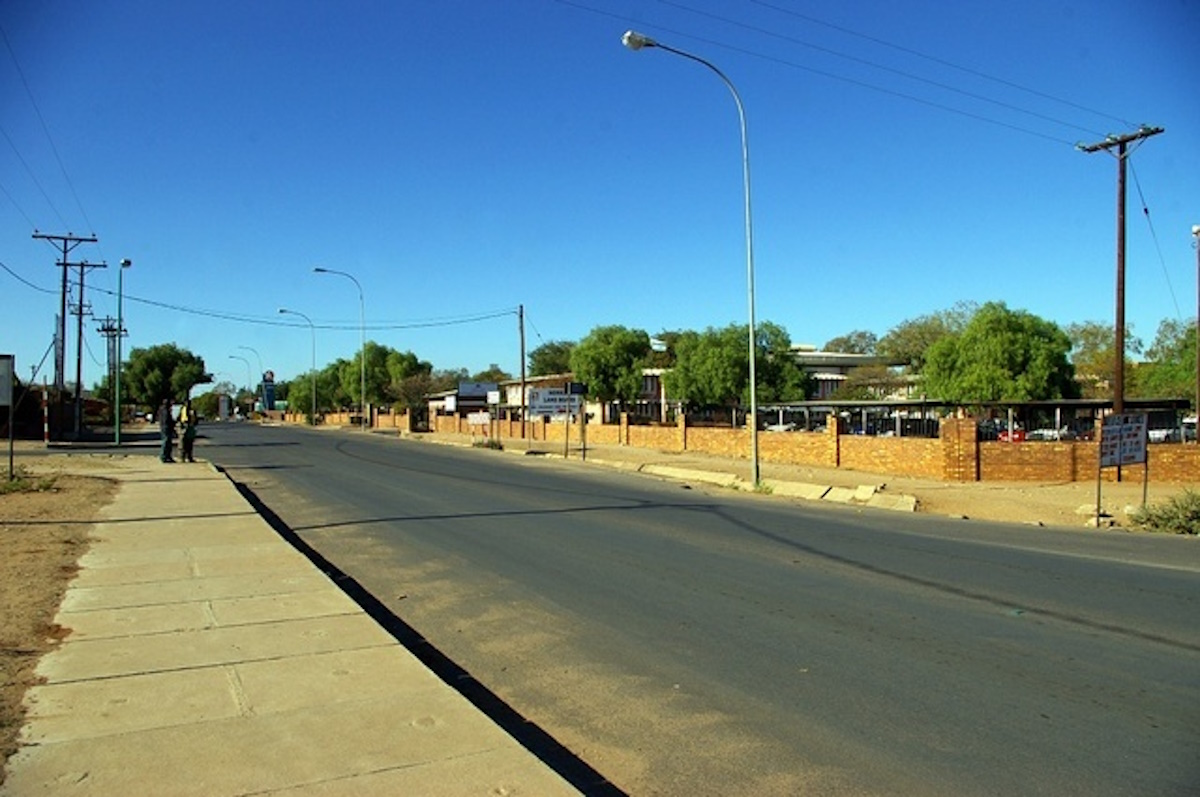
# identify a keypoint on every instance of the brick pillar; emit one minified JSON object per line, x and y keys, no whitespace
{"x":833,"y":428}
{"x":960,"y":449}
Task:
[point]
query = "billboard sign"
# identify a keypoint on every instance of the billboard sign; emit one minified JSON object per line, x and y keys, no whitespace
{"x":7,"y":376}
{"x":1123,"y":440}
{"x":552,"y":401}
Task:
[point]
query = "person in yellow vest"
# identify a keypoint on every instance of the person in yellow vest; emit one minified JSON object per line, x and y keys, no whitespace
{"x":188,"y":419}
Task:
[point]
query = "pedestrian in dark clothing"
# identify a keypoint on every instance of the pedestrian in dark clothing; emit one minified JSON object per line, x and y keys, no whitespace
{"x":188,"y":417}
{"x":166,"y":429}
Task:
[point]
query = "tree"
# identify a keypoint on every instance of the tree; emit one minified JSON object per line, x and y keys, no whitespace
{"x":610,"y":361}
{"x":869,"y":382}
{"x":1001,"y":355}
{"x":553,"y":357}
{"x":860,"y":341}
{"x":493,"y":373}
{"x":1092,"y":353}
{"x":712,"y":367}
{"x":1170,"y":367}
{"x":161,"y":372}
{"x":910,"y":340}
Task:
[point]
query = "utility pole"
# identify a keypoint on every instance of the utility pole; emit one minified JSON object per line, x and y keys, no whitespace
{"x":521,"y":327}
{"x":80,"y":311}
{"x":110,"y":328}
{"x":1121,"y":143}
{"x":67,"y":243}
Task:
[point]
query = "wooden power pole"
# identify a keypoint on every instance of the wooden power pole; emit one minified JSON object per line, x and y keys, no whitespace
{"x":1121,"y":143}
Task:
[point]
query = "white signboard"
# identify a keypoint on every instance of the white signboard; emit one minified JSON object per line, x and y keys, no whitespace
{"x":7,"y":367}
{"x":479,"y":418}
{"x":1123,"y":440}
{"x":552,"y":401}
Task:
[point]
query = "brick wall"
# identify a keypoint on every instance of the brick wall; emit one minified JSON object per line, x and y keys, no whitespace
{"x":917,"y":457}
{"x":819,"y":449}
{"x":956,"y":456}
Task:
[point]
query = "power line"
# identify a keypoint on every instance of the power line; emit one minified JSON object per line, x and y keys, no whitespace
{"x":942,"y":62}
{"x":1154,"y":236}
{"x":829,"y":75}
{"x":45,"y":129}
{"x":882,"y":67}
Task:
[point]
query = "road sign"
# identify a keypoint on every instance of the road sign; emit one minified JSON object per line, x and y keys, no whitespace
{"x":551,"y":401}
{"x":1123,"y":440}
{"x":7,"y":372}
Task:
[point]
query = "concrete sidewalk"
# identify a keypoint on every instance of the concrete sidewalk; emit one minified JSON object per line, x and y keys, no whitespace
{"x":207,"y":656}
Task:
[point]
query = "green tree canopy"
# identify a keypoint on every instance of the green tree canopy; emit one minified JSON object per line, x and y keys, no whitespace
{"x":610,"y":361}
{"x":1092,"y":353}
{"x":493,"y":373}
{"x":161,"y":372}
{"x":552,"y":357}
{"x":860,"y":341}
{"x":1169,"y":370}
{"x":1001,"y":355}
{"x":712,"y":367}
{"x":909,"y":340}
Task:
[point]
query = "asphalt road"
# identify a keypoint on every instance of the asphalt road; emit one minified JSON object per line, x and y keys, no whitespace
{"x":689,"y":641}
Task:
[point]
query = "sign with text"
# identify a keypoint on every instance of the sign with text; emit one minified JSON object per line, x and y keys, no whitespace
{"x":1123,"y":440}
{"x":7,"y":375}
{"x":551,"y":401}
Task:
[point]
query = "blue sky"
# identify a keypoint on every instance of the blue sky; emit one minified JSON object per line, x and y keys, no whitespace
{"x":463,"y":158}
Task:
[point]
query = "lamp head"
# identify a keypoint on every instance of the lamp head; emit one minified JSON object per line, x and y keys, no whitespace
{"x":636,"y":41}
{"x":320,"y":270}
{"x":126,"y":262}
{"x":1196,"y":230}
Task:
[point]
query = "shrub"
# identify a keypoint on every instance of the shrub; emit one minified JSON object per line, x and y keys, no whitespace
{"x":1180,"y":515}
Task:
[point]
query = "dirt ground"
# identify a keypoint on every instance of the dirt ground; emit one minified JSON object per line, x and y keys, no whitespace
{"x":42,"y":536}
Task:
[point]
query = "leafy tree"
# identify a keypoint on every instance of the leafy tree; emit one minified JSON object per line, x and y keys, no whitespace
{"x":712,"y":367}
{"x":860,"y":341}
{"x":869,"y":382}
{"x":403,"y":370}
{"x":910,"y":340}
{"x":1002,"y":355}
{"x":207,"y":404}
{"x":493,"y":373}
{"x":610,"y":361}
{"x":1092,"y":353}
{"x":552,"y":357}
{"x":665,"y":358}
{"x":1170,"y":367}
{"x":162,"y":372}
{"x":778,"y":375}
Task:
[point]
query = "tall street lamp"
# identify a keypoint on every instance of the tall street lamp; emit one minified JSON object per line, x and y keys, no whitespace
{"x":636,"y":41}
{"x":362,"y":343}
{"x":1196,"y":244}
{"x":125,"y":263}
{"x":313,"y":328}
{"x":262,"y":387}
{"x":249,"y":375}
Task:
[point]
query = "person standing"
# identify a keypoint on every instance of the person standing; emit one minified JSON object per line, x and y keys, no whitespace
{"x":188,"y":418}
{"x":166,"y":429}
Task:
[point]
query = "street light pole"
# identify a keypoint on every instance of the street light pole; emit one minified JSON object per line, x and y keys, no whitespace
{"x":262,"y":387}
{"x":125,"y":263}
{"x":249,"y":375}
{"x":1196,"y":409}
{"x":636,"y":41}
{"x":362,"y":343}
{"x":313,"y":328}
